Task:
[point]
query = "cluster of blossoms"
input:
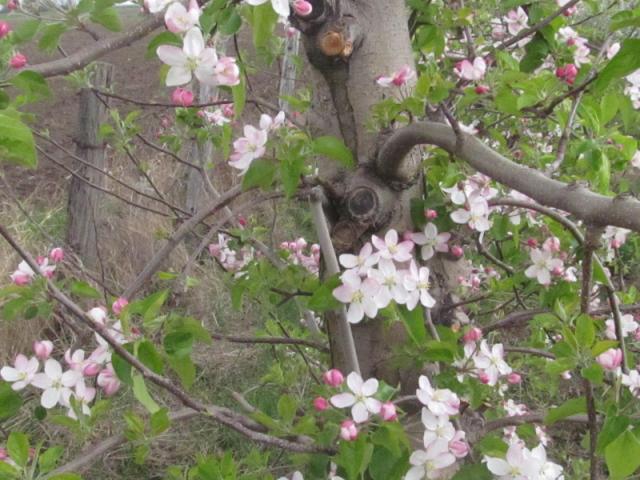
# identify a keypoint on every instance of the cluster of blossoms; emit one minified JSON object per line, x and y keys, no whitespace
{"x":17,"y":60}
{"x":472,"y":71}
{"x":476,"y":276}
{"x":253,"y":145}
{"x":633,"y":89}
{"x":71,"y":388}
{"x":24,"y":274}
{"x":375,"y":278}
{"x":443,"y":444}
{"x":297,"y":255}
{"x":546,"y":264}
{"x":521,"y":463}
{"x":613,"y":238}
{"x":230,"y":259}
{"x":572,"y":39}
{"x":512,"y":23}
{"x":472,"y":195}
{"x":219,"y":116}
{"x":483,"y":361}
{"x":194,"y":58}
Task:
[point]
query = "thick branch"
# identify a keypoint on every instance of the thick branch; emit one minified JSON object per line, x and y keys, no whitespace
{"x":590,"y":207}
{"x":84,"y":56}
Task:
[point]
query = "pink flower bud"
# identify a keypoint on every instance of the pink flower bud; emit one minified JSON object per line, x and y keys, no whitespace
{"x":458,"y":446}
{"x":611,"y":359}
{"x":473,"y":335}
{"x":5,"y":28}
{"x":3,"y":454}
{"x":616,"y":243}
{"x":333,"y":377}
{"x":482,"y":89}
{"x":290,"y":32}
{"x":56,"y":254}
{"x":315,"y":248}
{"x":532,"y":242}
{"x":570,"y":11}
{"x":551,"y":244}
{"x":302,"y":8}
{"x":242,"y":221}
{"x":227,"y":110}
{"x":12,"y":5}
{"x":457,"y":251}
{"x":20,"y":278}
{"x":42,"y":349}
{"x":388,"y":412}
{"x":182,"y":97}
{"x":484,"y":377}
{"x":348,"y":430}
{"x":18,"y":61}
{"x":108,"y":380}
{"x":514,"y":378}
{"x":430,"y":214}
{"x":119,"y":304}
{"x":320,"y":404}
{"x":557,"y":271}
{"x":561,"y":72}
{"x":91,"y":369}
{"x":214,"y":250}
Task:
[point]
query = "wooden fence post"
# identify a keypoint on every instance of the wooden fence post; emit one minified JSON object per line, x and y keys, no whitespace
{"x":84,"y":200}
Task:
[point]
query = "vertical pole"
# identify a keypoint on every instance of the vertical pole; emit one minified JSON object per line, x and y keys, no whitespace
{"x":84,"y":200}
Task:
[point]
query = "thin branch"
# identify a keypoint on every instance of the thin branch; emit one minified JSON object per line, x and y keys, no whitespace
{"x":271,"y":341}
{"x":530,"y":351}
{"x":344,"y":336}
{"x":492,"y":258}
{"x":591,"y":243}
{"x":222,"y":415}
{"x":528,"y":418}
{"x":538,"y":26}
{"x":593,"y":429}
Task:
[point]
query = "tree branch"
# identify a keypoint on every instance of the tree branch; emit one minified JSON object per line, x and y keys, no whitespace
{"x":590,"y":207}
{"x":84,"y":56}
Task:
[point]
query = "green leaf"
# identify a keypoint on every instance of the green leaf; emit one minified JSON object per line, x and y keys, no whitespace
{"x":585,"y":331}
{"x":603,"y":346}
{"x":287,"y":408}
{"x":535,"y":53}
{"x":239,"y":93}
{"x":232,"y":24}
{"x":626,"y":61}
{"x":473,"y":472}
{"x":185,"y":369}
{"x":16,"y":142}
{"x":335,"y":149}
{"x":414,"y":323}
{"x":164,"y":38}
{"x":108,"y":18}
{"x":260,"y":174}
{"x":65,"y":476}
{"x":150,"y":306}
{"x":83,"y":289}
{"x":323,"y":299}
{"x":122,"y":368}
{"x":612,"y":428}
{"x":51,"y":36}
{"x":354,"y":457}
{"x":8,"y":472}
{"x":160,"y":421}
{"x":26,"y":30}
{"x":387,"y":466}
{"x":10,"y":401}
{"x":290,"y":173}
{"x":568,"y":408}
{"x":48,"y":459}
{"x":623,"y":456}
{"x":142,"y":394}
{"x":264,"y":20}
{"x":18,"y":448}
{"x":148,"y":355}
{"x":178,"y":344}
{"x":33,"y":85}
{"x":594,"y":373}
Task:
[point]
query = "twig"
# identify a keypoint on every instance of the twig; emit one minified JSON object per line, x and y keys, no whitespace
{"x":538,"y":26}
{"x":590,"y":244}
{"x":344,"y":336}
{"x":529,"y":351}
{"x":593,"y":429}
{"x":271,"y":341}
{"x":492,"y":258}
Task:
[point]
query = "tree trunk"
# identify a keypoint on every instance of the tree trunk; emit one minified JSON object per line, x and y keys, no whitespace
{"x":84,"y":200}
{"x":350,"y":43}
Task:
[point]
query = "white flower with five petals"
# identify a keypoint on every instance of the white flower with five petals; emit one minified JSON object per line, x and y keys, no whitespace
{"x":360,"y":399}
{"x":192,"y":59}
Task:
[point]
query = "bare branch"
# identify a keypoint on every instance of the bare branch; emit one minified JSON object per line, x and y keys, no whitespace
{"x":271,"y":341}
{"x":588,"y":206}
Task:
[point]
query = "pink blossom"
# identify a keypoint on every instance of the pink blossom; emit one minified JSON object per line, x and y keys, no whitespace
{"x":108,"y":380}
{"x":248,"y":148}
{"x":543,"y":265}
{"x":568,"y":73}
{"x":56,"y":254}
{"x":430,"y":214}
{"x":438,"y":401}
{"x":514,"y":378}
{"x":472,"y":335}
{"x":516,"y":21}
{"x":302,"y":8}
{"x":532,"y":242}
{"x":12,"y":5}
{"x":471,"y":71}
{"x":475,"y":214}
{"x":228,"y":110}
{"x":388,"y":412}
{"x":5,"y":28}
{"x":17,"y":61}
{"x":42,"y":349}
{"x":611,"y":359}
{"x":431,"y":241}
{"x":417,"y":284}
{"x":359,"y":294}
{"x":320,"y":404}
{"x":23,"y":275}
{"x":348,"y":430}
{"x":333,"y":377}
{"x":179,"y":20}
{"x":390,"y":248}
{"x":360,"y":399}
{"x":22,"y":373}
{"x":269,"y":124}
{"x":44,"y":267}
{"x":399,"y":78}
{"x":119,"y":304}
{"x":490,"y":361}
{"x":458,"y":445}
{"x":363,"y":262}
{"x":182,"y":96}
{"x":482,"y":89}
{"x":55,"y":383}
{"x":194,"y":58}
{"x":457,"y":251}
{"x":227,"y":72}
